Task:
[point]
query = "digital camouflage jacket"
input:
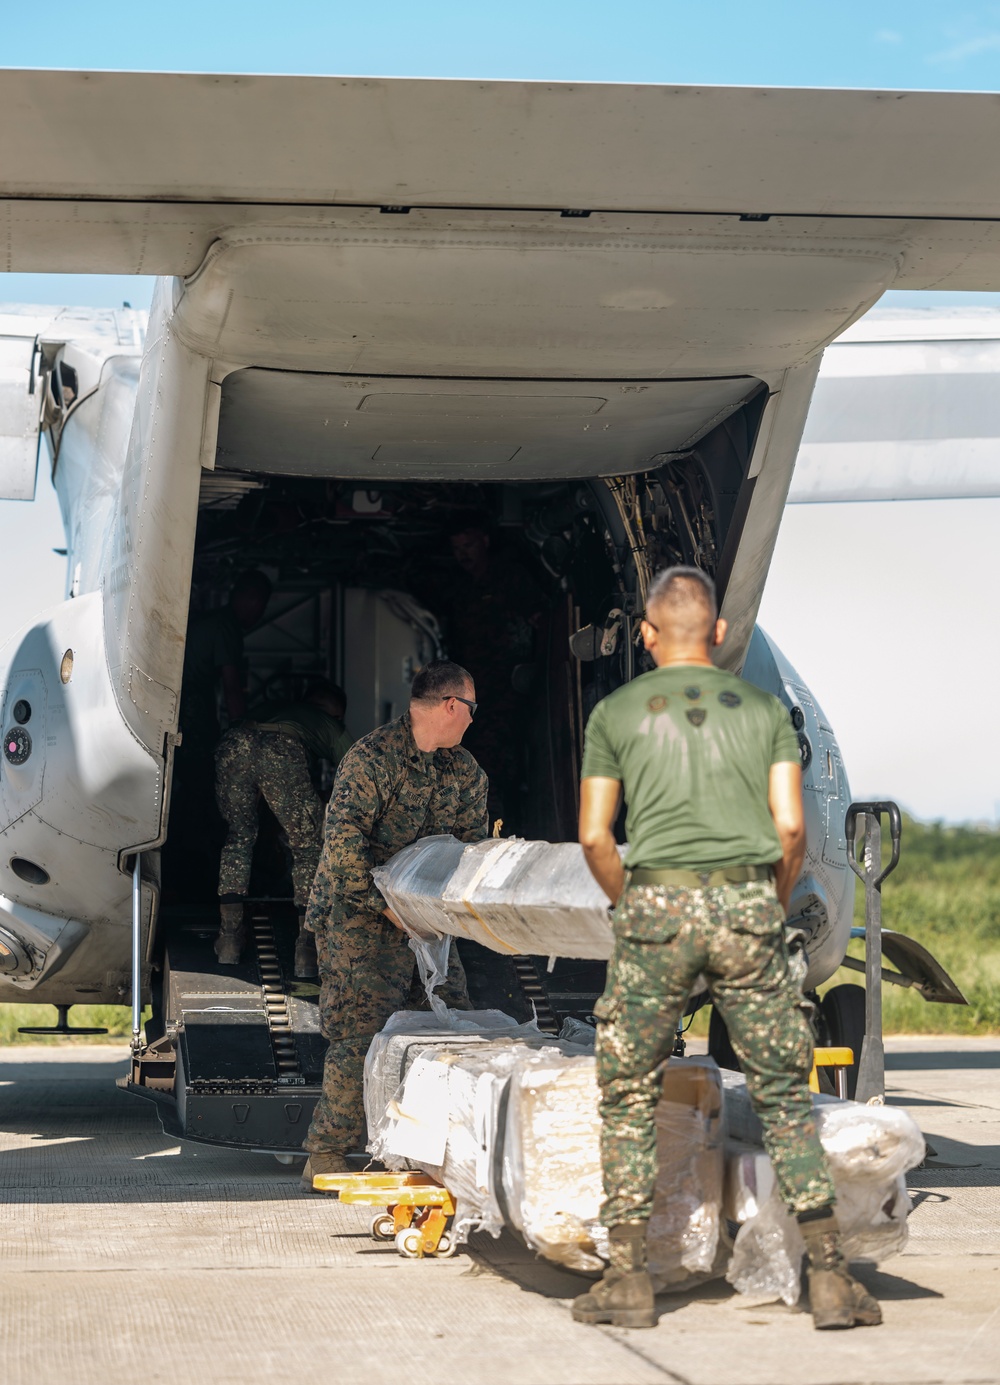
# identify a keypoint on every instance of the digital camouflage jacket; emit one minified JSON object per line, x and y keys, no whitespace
{"x":388,"y":794}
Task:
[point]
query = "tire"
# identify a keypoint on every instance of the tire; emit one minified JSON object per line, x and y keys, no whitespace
{"x":408,"y":1243}
{"x":843,"y":1012}
{"x":719,"y":1043}
{"x":384,"y":1227}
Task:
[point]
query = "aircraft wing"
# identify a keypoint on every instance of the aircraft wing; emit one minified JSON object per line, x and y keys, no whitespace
{"x":138,"y":173}
{"x":906,"y":407}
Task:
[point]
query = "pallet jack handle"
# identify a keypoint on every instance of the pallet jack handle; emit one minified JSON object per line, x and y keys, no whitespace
{"x":895,"y":831}
{"x":871,"y":1066}
{"x":136,"y":955}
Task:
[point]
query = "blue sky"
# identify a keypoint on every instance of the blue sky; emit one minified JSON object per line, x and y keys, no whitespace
{"x":798,"y":43}
{"x":870,"y":683}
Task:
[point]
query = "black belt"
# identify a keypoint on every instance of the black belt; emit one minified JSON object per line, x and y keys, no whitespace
{"x":698,"y":879}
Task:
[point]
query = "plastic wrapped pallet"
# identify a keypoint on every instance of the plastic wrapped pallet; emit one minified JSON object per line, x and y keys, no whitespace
{"x":415,"y":1031}
{"x":552,"y":1166}
{"x":870,"y":1149}
{"x":434,"y":1100}
{"x":684,"y":1229}
{"x":512,"y":896}
{"x":552,"y":1161}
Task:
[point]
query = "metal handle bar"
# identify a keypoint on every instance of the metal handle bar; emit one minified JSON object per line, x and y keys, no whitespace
{"x":895,"y":831}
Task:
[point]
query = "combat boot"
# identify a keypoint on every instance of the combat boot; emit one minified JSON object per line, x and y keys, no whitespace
{"x":835,"y":1296}
{"x":624,"y":1297}
{"x":322,"y":1163}
{"x":232,"y":934}
{"x":306,"y":961}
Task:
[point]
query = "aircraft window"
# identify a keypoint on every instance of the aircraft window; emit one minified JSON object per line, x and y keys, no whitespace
{"x":69,"y":382}
{"x":66,"y":667}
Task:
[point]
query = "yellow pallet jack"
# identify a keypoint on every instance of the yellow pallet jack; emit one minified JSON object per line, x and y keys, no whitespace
{"x":840,"y":1059}
{"x":418,"y":1210}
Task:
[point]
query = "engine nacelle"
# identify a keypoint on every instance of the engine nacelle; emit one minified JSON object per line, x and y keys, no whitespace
{"x":77,"y":791}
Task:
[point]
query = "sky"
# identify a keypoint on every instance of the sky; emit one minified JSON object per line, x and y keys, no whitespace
{"x":885,"y":609}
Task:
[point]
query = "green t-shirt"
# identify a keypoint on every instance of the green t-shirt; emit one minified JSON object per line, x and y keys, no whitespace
{"x":319,"y":732}
{"x":693,"y":747}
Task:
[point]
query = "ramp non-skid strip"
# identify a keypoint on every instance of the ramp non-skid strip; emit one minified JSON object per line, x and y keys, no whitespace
{"x":279,"y":1022}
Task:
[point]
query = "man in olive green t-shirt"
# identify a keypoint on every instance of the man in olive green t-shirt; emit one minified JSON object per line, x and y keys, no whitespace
{"x":710,"y":771}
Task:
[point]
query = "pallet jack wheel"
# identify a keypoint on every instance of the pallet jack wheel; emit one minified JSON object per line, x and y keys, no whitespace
{"x":447,"y":1246}
{"x":384,"y":1227}
{"x":408,"y":1242}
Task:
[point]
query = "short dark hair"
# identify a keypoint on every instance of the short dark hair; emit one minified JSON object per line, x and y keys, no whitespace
{"x":439,"y":679}
{"x":677,"y":586}
{"x":323,"y":693}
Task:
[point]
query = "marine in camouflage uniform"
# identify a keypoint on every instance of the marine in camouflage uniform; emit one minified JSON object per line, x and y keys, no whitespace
{"x":388,"y":794}
{"x":710,"y":771}
{"x":271,"y":759}
{"x":252,"y":760}
{"x":733,"y":935}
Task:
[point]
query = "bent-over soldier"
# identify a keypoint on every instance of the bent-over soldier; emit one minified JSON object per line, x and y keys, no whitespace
{"x":711,"y":775}
{"x":271,"y":758}
{"x":404,"y":781}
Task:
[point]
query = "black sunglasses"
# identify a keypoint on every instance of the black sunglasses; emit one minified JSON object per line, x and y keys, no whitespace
{"x":470,"y":704}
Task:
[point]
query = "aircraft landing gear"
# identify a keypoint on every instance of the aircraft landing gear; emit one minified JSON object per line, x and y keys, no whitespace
{"x":842,"y":1025}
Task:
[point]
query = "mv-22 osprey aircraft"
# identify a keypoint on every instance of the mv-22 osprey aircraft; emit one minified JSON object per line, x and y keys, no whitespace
{"x":596,"y":311}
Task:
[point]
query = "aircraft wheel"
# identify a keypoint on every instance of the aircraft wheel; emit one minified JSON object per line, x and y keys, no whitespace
{"x":720,"y":1046}
{"x":383,"y":1227}
{"x":408,"y":1243}
{"x":843,"y":1012}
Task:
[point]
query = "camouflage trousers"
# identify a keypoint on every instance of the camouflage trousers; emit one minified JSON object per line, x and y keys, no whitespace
{"x":734,"y":936}
{"x":366,"y":973}
{"x":276,"y":765}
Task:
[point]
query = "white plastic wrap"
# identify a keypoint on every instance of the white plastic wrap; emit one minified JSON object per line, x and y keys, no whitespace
{"x":684,"y":1240}
{"x":552,"y":1159}
{"x":434,"y":1100}
{"x":415,"y":1031}
{"x":870,"y":1149}
{"x":512,"y":896}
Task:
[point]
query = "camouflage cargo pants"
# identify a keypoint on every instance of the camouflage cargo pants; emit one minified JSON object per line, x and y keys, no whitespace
{"x":366,"y":973}
{"x":276,"y":765}
{"x":734,"y":936}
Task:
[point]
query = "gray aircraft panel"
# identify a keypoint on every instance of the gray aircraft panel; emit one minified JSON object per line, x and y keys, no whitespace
{"x":215,"y":138}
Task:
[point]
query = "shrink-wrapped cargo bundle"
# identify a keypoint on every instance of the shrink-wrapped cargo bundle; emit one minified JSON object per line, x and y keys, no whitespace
{"x":552,"y":1166}
{"x":512,"y":896}
{"x":552,"y":1160}
{"x":684,"y":1242}
{"x":870,"y":1149}
{"x":434,"y":1099}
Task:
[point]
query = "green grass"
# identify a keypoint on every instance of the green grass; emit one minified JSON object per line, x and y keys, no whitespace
{"x":116,"y":1019}
{"x":945,"y":893}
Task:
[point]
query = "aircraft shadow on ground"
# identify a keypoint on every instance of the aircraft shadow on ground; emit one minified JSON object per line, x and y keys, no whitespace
{"x":933,"y":1060}
{"x":111,"y":1148}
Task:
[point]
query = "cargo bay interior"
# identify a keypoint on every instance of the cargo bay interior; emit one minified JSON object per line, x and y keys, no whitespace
{"x":348,"y":493}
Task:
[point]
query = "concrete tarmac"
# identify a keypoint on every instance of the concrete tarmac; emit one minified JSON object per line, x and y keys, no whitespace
{"x":126,"y":1257}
